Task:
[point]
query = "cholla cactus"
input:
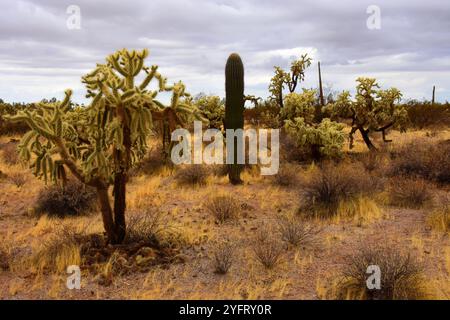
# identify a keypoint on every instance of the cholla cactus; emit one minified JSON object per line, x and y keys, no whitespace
{"x":325,"y":139}
{"x":373,"y":110}
{"x":291,"y":79}
{"x":98,"y":144}
{"x":299,"y":105}
{"x":213,"y":109}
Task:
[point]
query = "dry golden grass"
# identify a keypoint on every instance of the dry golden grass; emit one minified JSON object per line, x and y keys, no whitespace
{"x":439,"y":219}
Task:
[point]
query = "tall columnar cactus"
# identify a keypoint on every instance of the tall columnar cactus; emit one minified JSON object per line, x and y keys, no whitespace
{"x":234,"y":108}
{"x":99,"y":144}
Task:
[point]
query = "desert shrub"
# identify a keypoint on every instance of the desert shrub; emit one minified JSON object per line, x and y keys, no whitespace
{"x":289,"y":151}
{"x":219,"y":170}
{"x":7,"y":127}
{"x":223,"y":257}
{"x":149,"y":165}
{"x":10,"y":154}
{"x":331,"y":185}
{"x":426,"y":115}
{"x":193,"y":175}
{"x":286,"y":176}
{"x":267,"y":248}
{"x":372,"y":161}
{"x":18,"y":178}
{"x":401,"y":275}
{"x":297,"y":232}
{"x":73,"y":199}
{"x":411,"y":193}
{"x":423,"y":159}
{"x":223,"y":208}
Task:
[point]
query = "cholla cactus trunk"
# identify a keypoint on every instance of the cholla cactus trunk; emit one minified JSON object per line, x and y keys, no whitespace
{"x":234,"y":108}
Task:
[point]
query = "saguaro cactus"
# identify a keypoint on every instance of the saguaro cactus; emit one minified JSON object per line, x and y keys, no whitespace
{"x":234,"y":109}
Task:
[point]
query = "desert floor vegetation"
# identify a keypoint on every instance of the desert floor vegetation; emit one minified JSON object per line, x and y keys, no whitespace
{"x":212,"y":240}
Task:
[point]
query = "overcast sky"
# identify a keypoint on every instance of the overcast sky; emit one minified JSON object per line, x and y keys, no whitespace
{"x":191,"y":39}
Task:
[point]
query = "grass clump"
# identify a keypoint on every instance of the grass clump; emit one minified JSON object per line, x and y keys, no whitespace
{"x":223,"y":257}
{"x":401,"y":275}
{"x":223,"y":208}
{"x":268,"y":249}
{"x":297,"y":232}
{"x":332,"y":186}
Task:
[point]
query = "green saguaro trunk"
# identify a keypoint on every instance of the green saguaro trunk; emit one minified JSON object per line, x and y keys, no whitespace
{"x":234,"y":109}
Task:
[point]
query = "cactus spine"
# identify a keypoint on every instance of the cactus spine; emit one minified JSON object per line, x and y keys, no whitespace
{"x":234,"y":108}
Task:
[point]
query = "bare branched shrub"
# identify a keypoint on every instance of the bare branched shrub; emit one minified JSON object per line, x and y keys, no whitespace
{"x":410,"y":193}
{"x":17,"y":178}
{"x":297,"y":232}
{"x":223,"y":257}
{"x":10,"y":154}
{"x":223,"y":208}
{"x":193,"y":175}
{"x":401,"y":275}
{"x":286,"y":176}
{"x":330,"y":185}
{"x":268,"y":249}
{"x":71,"y":200}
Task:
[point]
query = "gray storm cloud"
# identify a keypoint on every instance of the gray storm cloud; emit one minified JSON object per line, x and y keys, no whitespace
{"x":191,"y":39}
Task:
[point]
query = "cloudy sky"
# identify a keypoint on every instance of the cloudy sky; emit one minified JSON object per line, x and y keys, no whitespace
{"x":190,"y":40}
